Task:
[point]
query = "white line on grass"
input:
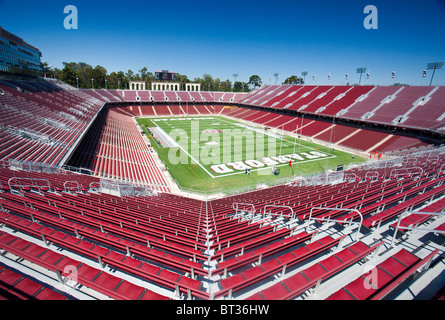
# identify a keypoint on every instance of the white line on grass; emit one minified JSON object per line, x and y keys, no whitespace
{"x":250,"y":128}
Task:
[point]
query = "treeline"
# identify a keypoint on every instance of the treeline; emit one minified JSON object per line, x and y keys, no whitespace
{"x":84,"y":76}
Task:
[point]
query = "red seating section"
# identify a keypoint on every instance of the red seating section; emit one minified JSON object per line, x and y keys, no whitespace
{"x":188,"y":247}
{"x":381,"y":280}
{"x":165,"y":239}
{"x":113,"y":148}
{"x":14,"y":286}
{"x":55,"y":117}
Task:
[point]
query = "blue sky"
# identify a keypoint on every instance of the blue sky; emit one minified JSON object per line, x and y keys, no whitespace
{"x":221,"y":38}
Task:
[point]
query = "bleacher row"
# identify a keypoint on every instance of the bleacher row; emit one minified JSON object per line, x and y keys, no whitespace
{"x":364,"y":140}
{"x":356,"y":138}
{"x":379,"y":201}
{"x":180,"y":250}
{"x":416,"y":107}
{"x":173,"y":247}
{"x":113,"y":148}
{"x":173,"y":110}
{"x":50,"y":137}
{"x":407,"y":106}
{"x":166,"y":96}
{"x":42,"y":121}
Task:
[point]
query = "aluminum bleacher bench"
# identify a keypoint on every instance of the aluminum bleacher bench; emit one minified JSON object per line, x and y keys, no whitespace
{"x":414,"y":220}
{"x":17,"y":286}
{"x":297,"y":284}
{"x":132,"y":231}
{"x":239,"y":248}
{"x":104,"y":256}
{"x":381,"y":217}
{"x":440,"y":229}
{"x":126,"y":215}
{"x":239,"y":237}
{"x":260,"y":253}
{"x":130,"y":247}
{"x":381,"y":280}
{"x":81,"y":273}
{"x":271,"y":267}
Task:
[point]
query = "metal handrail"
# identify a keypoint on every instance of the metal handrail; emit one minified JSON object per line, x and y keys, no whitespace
{"x":372,"y":172}
{"x":339,"y":220}
{"x":406,"y":213}
{"x":240,"y":203}
{"x":20,"y":186}
{"x":404,"y":169}
{"x":278,"y":206}
{"x":75,"y":188}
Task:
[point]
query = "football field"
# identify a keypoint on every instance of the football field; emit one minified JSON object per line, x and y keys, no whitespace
{"x":215,"y":154}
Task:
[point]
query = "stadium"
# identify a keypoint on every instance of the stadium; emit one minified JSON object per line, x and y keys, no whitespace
{"x":174,"y":192}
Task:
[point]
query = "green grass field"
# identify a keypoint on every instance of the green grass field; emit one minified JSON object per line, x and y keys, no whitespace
{"x":211,"y":154}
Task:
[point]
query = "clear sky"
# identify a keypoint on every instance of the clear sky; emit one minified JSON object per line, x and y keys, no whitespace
{"x":195,"y":37}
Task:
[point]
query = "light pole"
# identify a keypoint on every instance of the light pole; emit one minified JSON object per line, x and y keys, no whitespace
{"x":92,"y":83}
{"x":77,"y":80}
{"x":433,"y":66}
{"x":276,"y":77}
{"x":361,"y":71}
{"x":304,"y":74}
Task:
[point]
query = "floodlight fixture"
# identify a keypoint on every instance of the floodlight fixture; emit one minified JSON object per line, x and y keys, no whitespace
{"x":304,"y":74}
{"x":361,"y":71}
{"x":434,"y":66}
{"x":235,"y":75}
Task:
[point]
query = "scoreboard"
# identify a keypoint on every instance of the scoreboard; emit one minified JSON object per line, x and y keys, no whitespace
{"x":165,"y":75}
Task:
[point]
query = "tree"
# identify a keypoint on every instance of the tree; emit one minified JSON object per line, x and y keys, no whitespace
{"x":69,"y":73}
{"x":182,"y":79}
{"x":82,"y":70}
{"x":57,"y":73}
{"x":113,"y":80}
{"x":99,"y":74}
{"x":226,"y":86}
{"x":294,"y":80}
{"x":45,"y":69}
{"x":207,"y":82}
{"x":122,"y":80}
{"x":129,"y":75}
{"x":143,"y":73}
{"x":238,"y":86}
{"x":255,"y":81}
